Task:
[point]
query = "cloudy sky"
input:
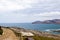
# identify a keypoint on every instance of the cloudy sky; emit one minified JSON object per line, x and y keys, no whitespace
{"x":21,"y":11}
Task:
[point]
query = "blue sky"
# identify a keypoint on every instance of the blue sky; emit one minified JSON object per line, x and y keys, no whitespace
{"x":21,"y":11}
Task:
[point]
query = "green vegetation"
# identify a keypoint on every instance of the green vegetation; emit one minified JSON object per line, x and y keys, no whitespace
{"x":17,"y":34}
{"x":1,"y":31}
{"x":40,"y":38}
{"x":43,"y":38}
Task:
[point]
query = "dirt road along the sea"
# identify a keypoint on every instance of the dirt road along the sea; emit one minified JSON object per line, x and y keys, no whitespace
{"x":8,"y":35}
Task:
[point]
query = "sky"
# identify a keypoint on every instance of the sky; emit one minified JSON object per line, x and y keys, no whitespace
{"x":24,"y":11}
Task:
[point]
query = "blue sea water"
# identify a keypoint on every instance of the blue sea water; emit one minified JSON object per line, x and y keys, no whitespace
{"x":39,"y":27}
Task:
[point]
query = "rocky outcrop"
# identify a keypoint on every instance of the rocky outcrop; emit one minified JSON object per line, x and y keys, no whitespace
{"x":56,"y":30}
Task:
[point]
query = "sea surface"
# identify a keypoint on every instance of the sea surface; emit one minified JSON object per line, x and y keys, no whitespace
{"x":39,"y":27}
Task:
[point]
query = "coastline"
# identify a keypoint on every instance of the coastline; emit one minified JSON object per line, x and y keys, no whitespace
{"x":18,"y":31}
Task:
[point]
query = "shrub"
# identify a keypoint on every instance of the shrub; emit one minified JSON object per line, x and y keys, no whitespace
{"x":1,"y":31}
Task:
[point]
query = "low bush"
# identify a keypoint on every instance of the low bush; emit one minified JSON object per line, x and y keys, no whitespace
{"x":1,"y":31}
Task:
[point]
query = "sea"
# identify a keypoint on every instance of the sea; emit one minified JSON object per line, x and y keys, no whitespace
{"x":38,"y":27}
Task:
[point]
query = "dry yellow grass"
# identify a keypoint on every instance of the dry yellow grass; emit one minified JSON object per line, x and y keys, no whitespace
{"x":8,"y":35}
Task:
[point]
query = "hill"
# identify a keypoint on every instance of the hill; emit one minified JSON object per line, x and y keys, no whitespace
{"x":54,"y":21}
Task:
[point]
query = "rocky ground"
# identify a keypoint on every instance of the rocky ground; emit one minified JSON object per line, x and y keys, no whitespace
{"x":14,"y":33}
{"x":38,"y":33}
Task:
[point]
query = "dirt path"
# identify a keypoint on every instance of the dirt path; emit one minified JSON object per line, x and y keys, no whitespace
{"x":8,"y":35}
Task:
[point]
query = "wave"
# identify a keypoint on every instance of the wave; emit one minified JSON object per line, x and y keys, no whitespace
{"x":48,"y":30}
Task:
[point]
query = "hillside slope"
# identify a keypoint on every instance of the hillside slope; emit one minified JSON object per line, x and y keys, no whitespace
{"x":8,"y":35}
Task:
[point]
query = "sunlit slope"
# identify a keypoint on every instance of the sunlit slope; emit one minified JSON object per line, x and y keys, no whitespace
{"x":8,"y":35}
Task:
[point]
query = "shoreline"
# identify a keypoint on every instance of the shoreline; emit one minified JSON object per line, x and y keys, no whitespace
{"x":38,"y":33}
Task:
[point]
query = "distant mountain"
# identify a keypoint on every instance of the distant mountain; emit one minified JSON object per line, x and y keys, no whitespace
{"x":54,"y":21}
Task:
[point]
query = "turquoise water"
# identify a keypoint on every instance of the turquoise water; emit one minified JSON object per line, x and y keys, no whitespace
{"x":39,"y":27}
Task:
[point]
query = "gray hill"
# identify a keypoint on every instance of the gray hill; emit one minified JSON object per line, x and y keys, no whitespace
{"x":54,"y":21}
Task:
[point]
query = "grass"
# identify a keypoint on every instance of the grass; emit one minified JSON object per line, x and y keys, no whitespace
{"x":43,"y":38}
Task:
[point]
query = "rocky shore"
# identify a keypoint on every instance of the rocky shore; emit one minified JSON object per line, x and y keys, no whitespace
{"x":18,"y":32}
{"x":39,"y":33}
{"x":56,"y":30}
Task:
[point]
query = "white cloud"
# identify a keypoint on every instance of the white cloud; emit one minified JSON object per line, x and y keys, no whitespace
{"x":18,"y":18}
{"x":28,"y":10}
{"x":48,"y":14}
{"x":15,"y":4}
{"x":18,"y":4}
{"x":24,"y":4}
